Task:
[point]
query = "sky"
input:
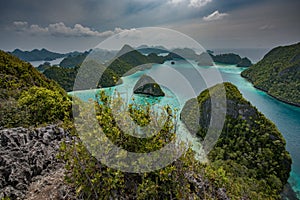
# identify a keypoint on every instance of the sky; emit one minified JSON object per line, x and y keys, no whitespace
{"x":68,"y":25}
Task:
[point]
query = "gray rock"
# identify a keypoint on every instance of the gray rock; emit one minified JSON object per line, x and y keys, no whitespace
{"x":26,"y":154}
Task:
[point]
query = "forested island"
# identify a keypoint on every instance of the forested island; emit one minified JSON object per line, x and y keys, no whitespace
{"x":278,"y":74}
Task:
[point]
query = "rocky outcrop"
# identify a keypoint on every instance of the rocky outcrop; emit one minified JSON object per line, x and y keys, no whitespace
{"x":27,"y":155}
{"x":146,"y":85}
{"x":201,"y":186}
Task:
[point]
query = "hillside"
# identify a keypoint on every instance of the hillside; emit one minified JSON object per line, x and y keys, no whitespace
{"x":278,"y":74}
{"x":63,"y":76}
{"x":37,"y":55}
{"x":248,"y":146}
{"x":22,"y":88}
{"x":72,"y":61}
{"x":126,"y":62}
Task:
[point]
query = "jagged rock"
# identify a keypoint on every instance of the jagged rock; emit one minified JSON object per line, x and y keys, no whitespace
{"x":201,"y":186}
{"x":26,"y":154}
{"x":146,"y":85}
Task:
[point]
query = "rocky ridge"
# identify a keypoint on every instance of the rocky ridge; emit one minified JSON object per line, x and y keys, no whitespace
{"x":27,"y":156}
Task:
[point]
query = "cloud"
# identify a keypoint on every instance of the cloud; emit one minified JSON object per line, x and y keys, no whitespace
{"x":191,"y":3}
{"x":199,"y":3}
{"x":20,"y":25}
{"x":61,"y":30}
{"x":267,"y":27}
{"x":175,"y":2}
{"x":215,"y":16}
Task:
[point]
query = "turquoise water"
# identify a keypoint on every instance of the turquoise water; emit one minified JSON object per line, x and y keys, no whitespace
{"x":286,"y":117}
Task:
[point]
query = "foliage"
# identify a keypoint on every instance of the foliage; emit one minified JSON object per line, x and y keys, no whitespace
{"x":94,"y":180}
{"x":72,"y":61}
{"x":64,"y":77}
{"x":231,"y":59}
{"x":16,"y":78}
{"x":45,"y":106}
{"x":278,"y":73}
{"x":44,"y":66}
{"x":250,"y":148}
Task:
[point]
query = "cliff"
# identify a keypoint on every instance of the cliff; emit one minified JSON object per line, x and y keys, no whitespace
{"x":249,"y":145}
{"x":146,"y":85}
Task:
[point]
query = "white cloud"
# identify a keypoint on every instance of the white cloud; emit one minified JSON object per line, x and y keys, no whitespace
{"x":267,"y":27}
{"x":176,"y":2}
{"x":215,"y":16}
{"x":199,"y":3}
{"x":191,"y":3}
{"x":60,"y":29}
{"x":20,"y":25}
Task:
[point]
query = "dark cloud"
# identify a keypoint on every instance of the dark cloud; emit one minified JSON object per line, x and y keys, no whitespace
{"x":248,"y":21}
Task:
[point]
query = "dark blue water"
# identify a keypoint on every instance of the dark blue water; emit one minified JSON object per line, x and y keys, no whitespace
{"x":286,"y":117}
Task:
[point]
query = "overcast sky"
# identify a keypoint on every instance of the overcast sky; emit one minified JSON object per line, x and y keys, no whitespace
{"x":67,"y":25}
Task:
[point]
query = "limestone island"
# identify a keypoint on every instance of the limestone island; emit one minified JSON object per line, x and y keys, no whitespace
{"x":146,"y":85}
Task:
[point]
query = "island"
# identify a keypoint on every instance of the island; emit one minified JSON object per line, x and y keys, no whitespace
{"x":231,"y":59}
{"x":249,"y":144}
{"x":37,"y":55}
{"x":146,"y":85}
{"x":278,"y":74}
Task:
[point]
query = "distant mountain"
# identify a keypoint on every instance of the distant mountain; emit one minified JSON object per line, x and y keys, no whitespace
{"x":278,"y":73}
{"x":145,"y":49}
{"x":74,"y":60}
{"x":203,"y":59}
{"x":44,"y":66}
{"x":231,"y":59}
{"x":127,"y":61}
{"x":37,"y":55}
{"x":254,"y":54}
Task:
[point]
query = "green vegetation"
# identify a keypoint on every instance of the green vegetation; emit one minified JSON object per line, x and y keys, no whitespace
{"x":44,"y":106}
{"x":127,"y":59}
{"x":249,"y":160}
{"x":278,"y":73}
{"x":125,"y":63}
{"x":44,"y":66}
{"x":63,"y":76}
{"x":231,"y":59}
{"x":26,"y":95}
{"x":73,"y":61}
{"x":94,"y":180}
{"x":250,"y":149}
